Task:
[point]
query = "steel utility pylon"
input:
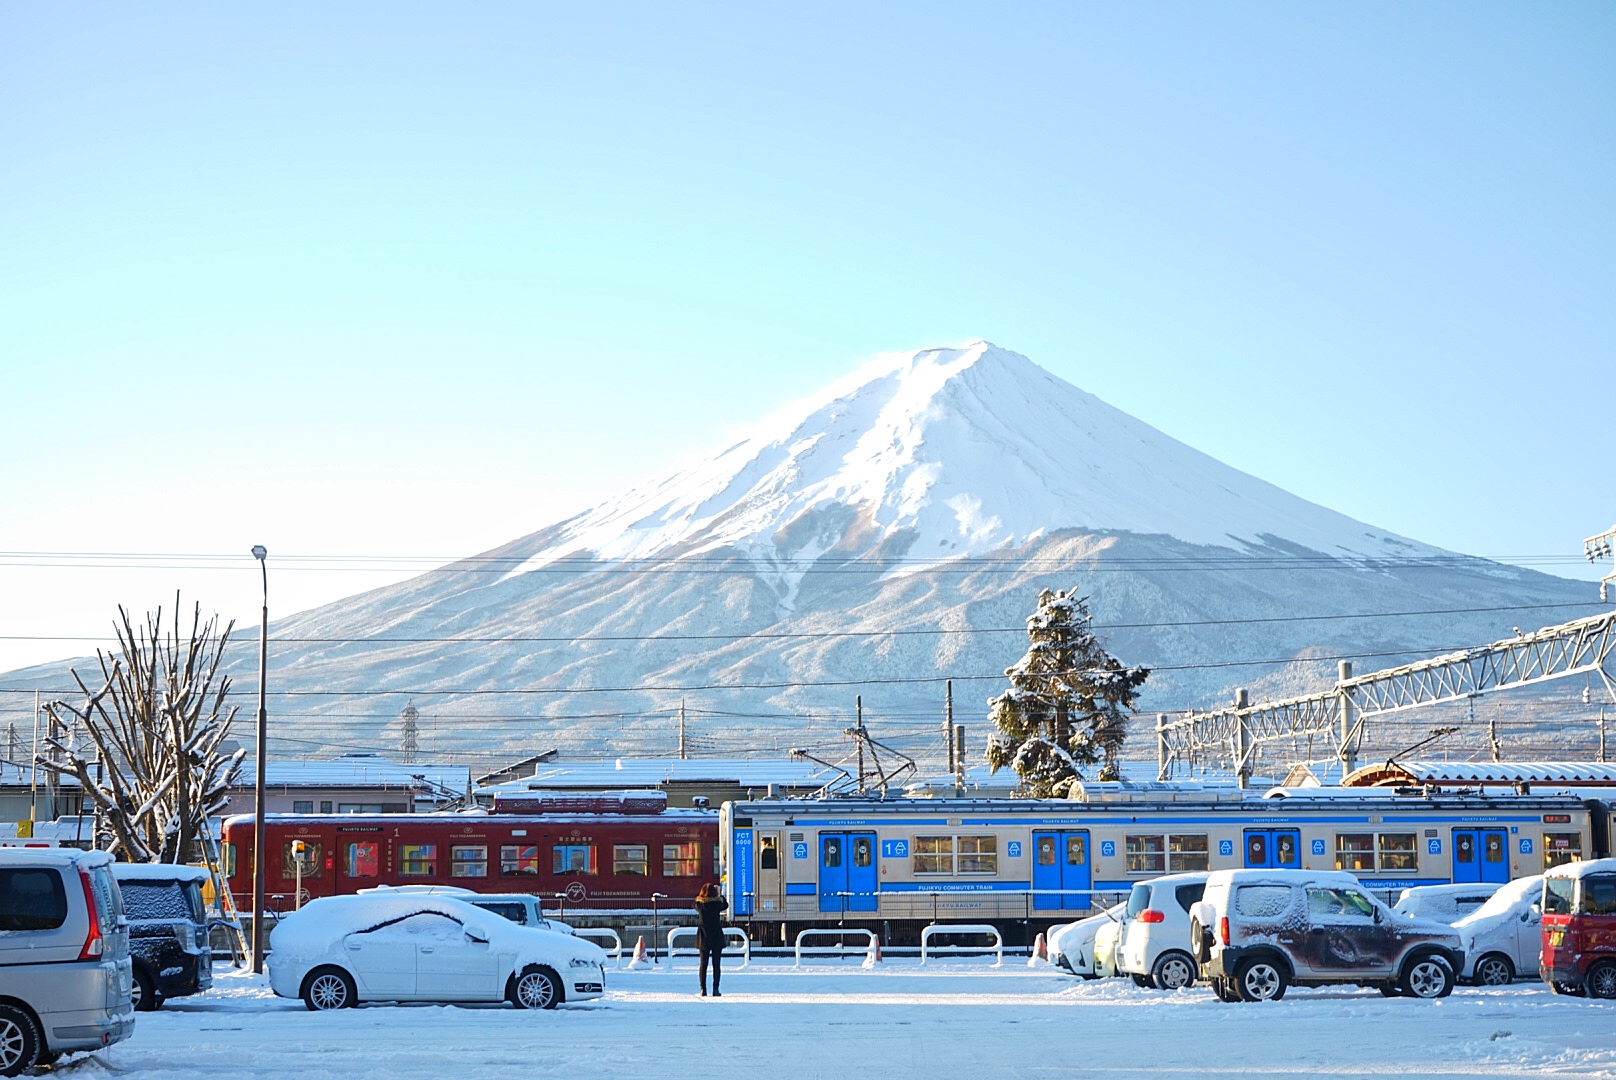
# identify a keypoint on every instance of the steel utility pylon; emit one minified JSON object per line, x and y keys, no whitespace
{"x":1234,"y":735}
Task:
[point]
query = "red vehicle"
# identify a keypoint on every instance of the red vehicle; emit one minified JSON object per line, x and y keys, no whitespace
{"x":603,"y":852}
{"x":1579,"y":928}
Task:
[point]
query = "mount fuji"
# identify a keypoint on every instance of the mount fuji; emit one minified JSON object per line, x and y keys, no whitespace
{"x":883,"y":536}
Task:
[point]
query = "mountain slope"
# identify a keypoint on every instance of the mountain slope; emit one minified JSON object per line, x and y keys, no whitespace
{"x":885,"y":535}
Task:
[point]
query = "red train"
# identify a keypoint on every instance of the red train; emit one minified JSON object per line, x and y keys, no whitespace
{"x":603,"y":851}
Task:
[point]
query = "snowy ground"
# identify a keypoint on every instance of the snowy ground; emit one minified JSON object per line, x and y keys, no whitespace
{"x":960,"y":1019}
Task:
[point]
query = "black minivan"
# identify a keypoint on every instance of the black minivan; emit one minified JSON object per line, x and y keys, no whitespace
{"x":168,"y":930}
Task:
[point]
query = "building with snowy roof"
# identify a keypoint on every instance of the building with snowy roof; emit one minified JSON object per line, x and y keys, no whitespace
{"x":352,"y":784}
{"x":683,"y":780}
{"x":1520,"y":775}
{"x":26,"y":795}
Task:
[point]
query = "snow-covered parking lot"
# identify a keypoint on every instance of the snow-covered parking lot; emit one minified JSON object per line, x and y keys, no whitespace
{"x":960,"y":1019}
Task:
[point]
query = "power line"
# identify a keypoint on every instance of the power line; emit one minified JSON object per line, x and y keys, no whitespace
{"x":820,"y":635}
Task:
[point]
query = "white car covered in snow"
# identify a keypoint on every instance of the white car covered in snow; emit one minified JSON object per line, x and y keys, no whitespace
{"x":1503,"y":939}
{"x":1154,"y":942}
{"x":341,"y":950}
{"x":1071,"y":945}
{"x":1444,"y":903}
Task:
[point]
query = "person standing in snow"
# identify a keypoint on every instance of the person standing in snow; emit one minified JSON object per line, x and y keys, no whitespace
{"x":710,"y":908}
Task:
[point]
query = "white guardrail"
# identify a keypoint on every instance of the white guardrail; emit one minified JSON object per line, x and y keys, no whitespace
{"x":730,"y":932}
{"x":945,"y":929}
{"x":840,"y":948}
{"x":605,"y":933}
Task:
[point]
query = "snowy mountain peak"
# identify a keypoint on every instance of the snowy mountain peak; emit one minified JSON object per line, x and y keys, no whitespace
{"x":941,"y":453}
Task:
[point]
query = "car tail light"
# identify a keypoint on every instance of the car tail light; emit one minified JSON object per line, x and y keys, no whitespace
{"x":1223,"y":929}
{"x":93,"y":945}
{"x":1152,"y":915}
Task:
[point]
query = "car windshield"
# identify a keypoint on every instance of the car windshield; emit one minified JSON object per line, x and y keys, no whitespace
{"x":1557,"y":893}
{"x":1507,"y":898}
{"x":1138,"y":900}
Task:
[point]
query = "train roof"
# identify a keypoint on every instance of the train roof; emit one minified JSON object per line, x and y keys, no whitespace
{"x":673,"y":815}
{"x":1557,"y":774}
{"x":1296,"y":798}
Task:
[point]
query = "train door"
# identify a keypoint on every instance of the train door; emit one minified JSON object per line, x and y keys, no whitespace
{"x":1274,"y":848}
{"x":1060,"y":860}
{"x":358,"y":859}
{"x":847,"y":872}
{"x":1480,"y":855}
{"x":770,"y":875}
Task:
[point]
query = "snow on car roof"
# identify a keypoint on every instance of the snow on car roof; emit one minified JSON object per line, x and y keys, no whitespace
{"x":54,"y":856}
{"x":1582,"y":869}
{"x":158,"y":872}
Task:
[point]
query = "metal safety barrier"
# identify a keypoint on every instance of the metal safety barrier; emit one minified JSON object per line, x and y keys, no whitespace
{"x":691,"y":931}
{"x":943,"y":929}
{"x":838,"y":949}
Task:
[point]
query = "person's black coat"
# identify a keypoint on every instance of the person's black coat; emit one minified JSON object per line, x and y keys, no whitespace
{"x":710,"y":923}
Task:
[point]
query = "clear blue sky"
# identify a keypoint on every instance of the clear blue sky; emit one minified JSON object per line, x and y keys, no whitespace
{"x":399,"y":279}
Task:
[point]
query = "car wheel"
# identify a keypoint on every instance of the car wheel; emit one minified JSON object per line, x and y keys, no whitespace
{"x":536,"y":988}
{"x":1174,"y":971}
{"x":1494,"y":969}
{"x":1601,"y":982}
{"x":1260,"y":980}
{"x":1142,"y":981}
{"x":329,"y":988}
{"x":1426,"y":976}
{"x":142,"y":992}
{"x":19,"y":1041}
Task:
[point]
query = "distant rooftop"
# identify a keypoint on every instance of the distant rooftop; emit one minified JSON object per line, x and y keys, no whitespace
{"x":1485,"y":773}
{"x":621,"y":773}
{"x":358,"y":771}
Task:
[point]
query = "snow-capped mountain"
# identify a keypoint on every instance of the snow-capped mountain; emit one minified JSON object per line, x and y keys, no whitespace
{"x":883,"y":536}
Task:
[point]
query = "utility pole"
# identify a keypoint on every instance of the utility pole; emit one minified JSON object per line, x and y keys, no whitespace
{"x":260,"y":866}
{"x":682,"y":754}
{"x":948,"y":723}
{"x":1492,"y":735}
{"x":959,"y":758}
{"x":858,"y":712}
{"x":1601,"y":733}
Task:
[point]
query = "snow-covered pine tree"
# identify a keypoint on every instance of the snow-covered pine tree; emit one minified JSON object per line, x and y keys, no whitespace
{"x":154,"y":766}
{"x":1068,"y":701}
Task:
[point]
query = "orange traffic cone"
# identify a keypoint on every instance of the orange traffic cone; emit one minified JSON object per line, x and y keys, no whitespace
{"x":639,"y":960}
{"x":1040,"y":948}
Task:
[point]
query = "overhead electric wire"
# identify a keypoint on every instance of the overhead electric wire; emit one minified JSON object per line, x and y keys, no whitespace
{"x":822,"y":635}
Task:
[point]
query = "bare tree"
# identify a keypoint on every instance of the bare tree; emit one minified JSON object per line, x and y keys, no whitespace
{"x":156,"y":727}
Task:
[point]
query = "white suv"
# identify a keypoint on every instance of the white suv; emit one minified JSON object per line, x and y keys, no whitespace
{"x":1256,"y":932}
{"x":1155,"y":946}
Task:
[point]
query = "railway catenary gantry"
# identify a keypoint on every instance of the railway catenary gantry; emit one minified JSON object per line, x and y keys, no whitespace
{"x":894,"y":866}
{"x":1237,"y":734}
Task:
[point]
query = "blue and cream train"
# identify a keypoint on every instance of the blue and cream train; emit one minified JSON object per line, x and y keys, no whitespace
{"x":895,"y":865}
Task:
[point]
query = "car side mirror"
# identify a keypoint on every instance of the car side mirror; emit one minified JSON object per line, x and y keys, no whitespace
{"x":1536,"y":910}
{"x":476,"y":938}
{"x":1378,"y":916}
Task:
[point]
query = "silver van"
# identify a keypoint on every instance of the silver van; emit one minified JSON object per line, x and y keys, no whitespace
{"x":65,"y":975}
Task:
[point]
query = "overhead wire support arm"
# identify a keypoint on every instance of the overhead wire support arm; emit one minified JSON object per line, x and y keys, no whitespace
{"x":1599,"y":547}
{"x":1580,"y":647}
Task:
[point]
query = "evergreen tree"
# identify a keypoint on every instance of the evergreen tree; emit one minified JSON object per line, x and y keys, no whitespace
{"x":1068,"y":702}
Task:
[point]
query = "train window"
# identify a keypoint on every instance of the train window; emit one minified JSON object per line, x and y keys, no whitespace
{"x":1354,"y":851}
{"x":229,"y":855}
{"x":521,"y":859}
{"x":1046,"y":851}
{"x":1147,"y":854}
{"x":1492,"y":848}
{"x":934,"y":855}
{"x":631,"y":859}
{"x":313,"y":865}
{"x":362,"y":859}
{"x":573,"y":859}
{"x":1188,"y":852}
{"x":831,"y":853}
{"x":769,"y":853}
{"x":681,"y":860}
{"x":978,"y":855}
{"x":1397,"y":852}
{"x":468,"y":860}
{"x":418,"y":860}
{"x":861,"y":851}
{"x":302,"y":806}
{"x":1561,"y":847}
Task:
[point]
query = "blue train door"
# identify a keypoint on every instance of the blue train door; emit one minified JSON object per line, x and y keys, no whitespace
{"x":1281,"y":848}
{"x":1480,"y":855}
{"x":1060,"y":860}
{"x":847,"y":872}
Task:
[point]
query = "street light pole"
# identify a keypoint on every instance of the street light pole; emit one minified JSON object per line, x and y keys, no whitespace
{"x":259,"y":553}
{"x":656,"y":928}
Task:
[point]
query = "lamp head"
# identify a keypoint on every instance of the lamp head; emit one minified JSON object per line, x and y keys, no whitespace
{"x":259,"y":551}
